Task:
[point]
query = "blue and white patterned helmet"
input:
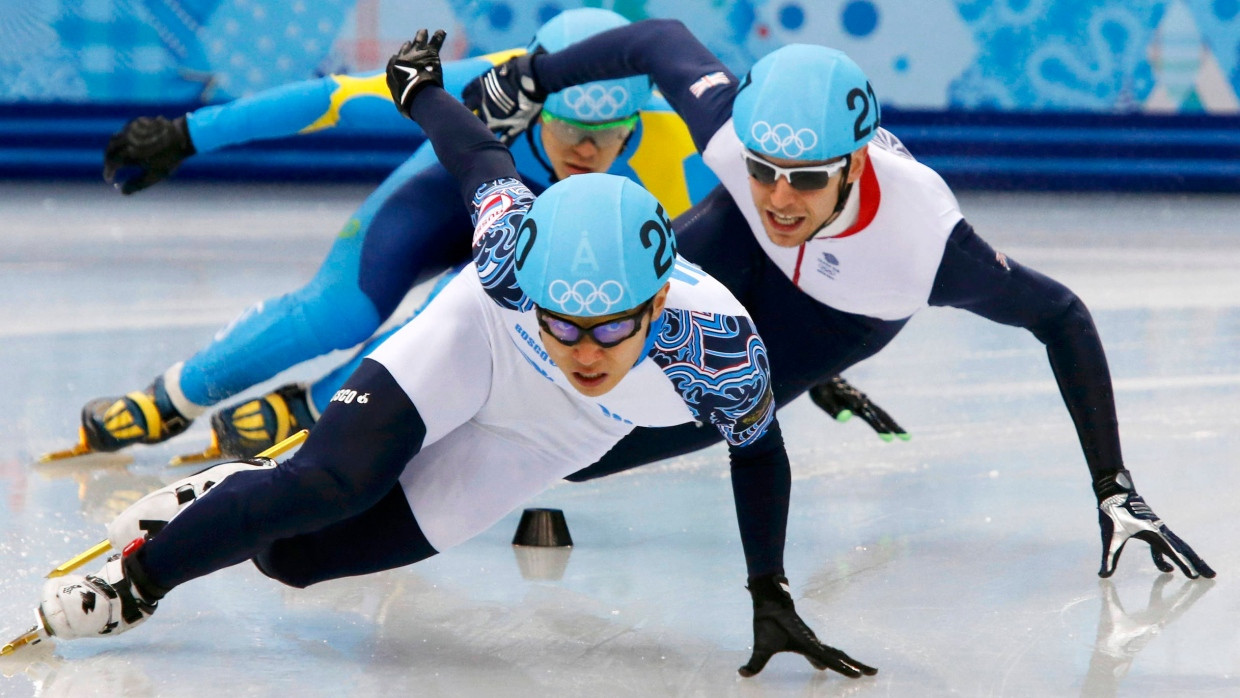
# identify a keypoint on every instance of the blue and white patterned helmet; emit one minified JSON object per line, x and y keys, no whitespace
{"x":805,"y":102}
{"x":594,"y":244}
{"x":604,"y":100}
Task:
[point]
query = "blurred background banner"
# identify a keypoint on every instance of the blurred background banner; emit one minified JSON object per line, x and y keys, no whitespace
{"x":1107,"y":93}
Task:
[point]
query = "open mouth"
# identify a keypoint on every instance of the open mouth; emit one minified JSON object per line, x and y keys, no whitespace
{"x":784,"y":224}
{"x":589,"y":380}
{"x":574,"y":169}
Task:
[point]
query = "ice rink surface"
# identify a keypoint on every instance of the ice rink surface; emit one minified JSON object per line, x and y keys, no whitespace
{"x":961,"y":563}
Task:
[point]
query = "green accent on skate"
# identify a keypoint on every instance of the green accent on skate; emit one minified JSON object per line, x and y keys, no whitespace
{"x":886,"y":437}
{"x":843,"y":416}
{"x":904,"y":436}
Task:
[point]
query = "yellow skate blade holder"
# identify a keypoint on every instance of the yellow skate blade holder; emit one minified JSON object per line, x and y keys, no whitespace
{"x":80,"y":559}
{"x":81,"y":449}
{"x":211,"y":452}
{"x":32,"y":636}
{"x":103,"y":546}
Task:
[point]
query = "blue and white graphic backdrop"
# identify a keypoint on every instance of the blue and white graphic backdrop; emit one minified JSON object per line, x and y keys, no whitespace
{"x":1109,"y":56}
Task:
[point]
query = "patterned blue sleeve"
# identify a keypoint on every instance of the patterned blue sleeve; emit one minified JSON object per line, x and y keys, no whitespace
{"x":498,"y":210}
{"x":720,"y":367}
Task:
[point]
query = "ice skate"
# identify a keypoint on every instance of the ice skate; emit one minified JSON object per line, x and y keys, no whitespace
{"x":110,"y":424}
{"x":243,"y":430}
{"x":103,"y":604}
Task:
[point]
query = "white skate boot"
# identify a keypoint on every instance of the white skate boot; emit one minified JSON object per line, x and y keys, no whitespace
{"x":93,"y":605}
{"x":148,"y":516}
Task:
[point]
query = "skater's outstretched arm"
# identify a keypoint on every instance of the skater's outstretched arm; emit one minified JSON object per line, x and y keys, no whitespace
{"x":148,"y":149}
{"x":462,"y":143}
{"x":696,"y":83}
{"x":975,"y":277}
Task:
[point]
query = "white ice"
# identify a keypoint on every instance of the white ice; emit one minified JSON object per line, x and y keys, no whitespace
{"x":960,"y":563}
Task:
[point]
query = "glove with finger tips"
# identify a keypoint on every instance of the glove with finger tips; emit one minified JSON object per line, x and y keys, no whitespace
{"x":414,"y":67}
{"x":507,"y":97}
{"x":154,"y":145}
{"x":778,"y":628}
{"x":838,"y":398}
{"x":1124,"y":515}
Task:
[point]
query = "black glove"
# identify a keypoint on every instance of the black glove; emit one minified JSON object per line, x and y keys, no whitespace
{"x":840,"y":400}
{"x":778,"y":628}
{"x":507,"y":97}
{"x":154,"y":145}
{"x":1123,"y":515}
{"x":415,"y":66}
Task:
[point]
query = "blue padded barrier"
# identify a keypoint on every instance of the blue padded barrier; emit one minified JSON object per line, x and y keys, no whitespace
{"x":987,"y":150}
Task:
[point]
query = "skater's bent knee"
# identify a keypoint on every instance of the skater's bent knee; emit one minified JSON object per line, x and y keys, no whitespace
{"x":269,"y":563}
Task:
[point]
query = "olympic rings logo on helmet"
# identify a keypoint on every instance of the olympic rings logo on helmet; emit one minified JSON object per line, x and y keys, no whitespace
{"x":584,"y":298}
{"x":596,"y":102}
{"x":781,"y":139}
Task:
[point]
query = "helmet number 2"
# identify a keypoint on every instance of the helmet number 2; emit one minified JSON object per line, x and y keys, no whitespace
{"x":666,"y":252}
{"x":860,"y":128}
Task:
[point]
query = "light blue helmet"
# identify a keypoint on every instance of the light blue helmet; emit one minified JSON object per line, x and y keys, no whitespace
{"x":604,"y":100}
{"x":594,"y":244}
{"x":805,"y":102}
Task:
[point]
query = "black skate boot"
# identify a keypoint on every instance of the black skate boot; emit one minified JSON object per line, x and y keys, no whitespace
{"x":243,"y":430}
{"x":147,"y":417}
{"x":251,"y":427}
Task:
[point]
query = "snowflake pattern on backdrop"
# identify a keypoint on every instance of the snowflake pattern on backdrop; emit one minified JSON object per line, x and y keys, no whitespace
{"x":1095,"y":55}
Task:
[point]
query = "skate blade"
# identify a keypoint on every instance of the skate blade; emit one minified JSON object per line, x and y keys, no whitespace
{"x":80,"y":559}
{"x":210,"y":453}
{"x":91,"y":462}
{"x":32,"y":636}
{"x":213,"y":452}
{"x":81,"y":449}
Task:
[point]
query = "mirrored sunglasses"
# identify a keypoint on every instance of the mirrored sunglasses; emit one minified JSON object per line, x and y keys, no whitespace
{"x":801,"y":178}
{"x":604,"y":134}
{"x":606,"y":335}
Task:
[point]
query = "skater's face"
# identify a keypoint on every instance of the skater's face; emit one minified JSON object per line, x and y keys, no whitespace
{"x":792,"y":211}
{"x":590,"y":368}
{"x":576,"y":148}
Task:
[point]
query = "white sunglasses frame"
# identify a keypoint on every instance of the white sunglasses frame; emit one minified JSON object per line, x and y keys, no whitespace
{"x":829,"y":168}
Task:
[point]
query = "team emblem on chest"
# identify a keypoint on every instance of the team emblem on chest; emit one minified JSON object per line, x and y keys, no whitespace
{"x":828,"y":265}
